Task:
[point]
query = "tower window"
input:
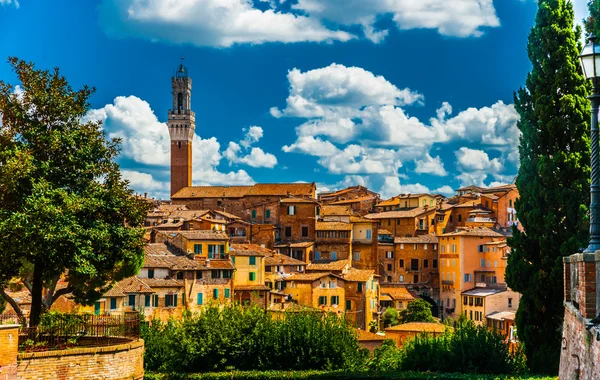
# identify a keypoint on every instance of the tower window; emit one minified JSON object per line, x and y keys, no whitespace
{"x":179,"y":144}
{"x":180,"y":101}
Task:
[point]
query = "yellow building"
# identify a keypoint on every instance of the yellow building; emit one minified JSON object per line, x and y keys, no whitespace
{"x":478,"y":303}
{"x":462,"y":262}
{"x":403,"y":201}
{"x":362,"y":296}
{"x":204,"y":244}
{"x":278,"y":267}
{"x":395,"y":297}
{"x":249,"y":278}
{"x":322,"y":290}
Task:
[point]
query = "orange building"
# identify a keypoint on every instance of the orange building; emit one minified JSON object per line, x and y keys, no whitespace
{"x":407,"y":222}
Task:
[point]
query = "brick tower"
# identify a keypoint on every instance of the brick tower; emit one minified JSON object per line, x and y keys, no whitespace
{"x":182,"y":123}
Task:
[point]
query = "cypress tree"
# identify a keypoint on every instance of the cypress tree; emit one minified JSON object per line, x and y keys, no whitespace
{"x":553,"y":180}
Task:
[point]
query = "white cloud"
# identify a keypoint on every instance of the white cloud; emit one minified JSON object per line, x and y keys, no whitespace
{"x":444,"y":190}
{"x":9,"y":2}
{"x":347,"y":181}
{"x":430,"y":165}
{"x":312,"y":146}
{"x":476,"y":166}
{"x":219,"y":23}
{"x":145,"y":183}
{"x":257,"y":158}
{"x":392,"y":187}
{"x":223,"y":23}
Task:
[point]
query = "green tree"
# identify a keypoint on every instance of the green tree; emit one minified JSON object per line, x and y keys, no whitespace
{"x":390,"y":317}
{"x":64,"y":208}
{"x":418,"y":310}
{"x":553,"y":180}
{"x":592,"y":23}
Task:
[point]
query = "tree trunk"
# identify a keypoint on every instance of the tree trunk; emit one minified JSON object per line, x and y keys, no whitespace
{"x":12,"y":303}
{"x":36,"y":295}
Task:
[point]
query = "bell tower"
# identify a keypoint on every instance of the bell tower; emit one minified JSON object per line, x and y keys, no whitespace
{"x":181,"y":123}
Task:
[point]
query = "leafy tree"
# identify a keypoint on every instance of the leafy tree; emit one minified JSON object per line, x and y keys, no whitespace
{"x":553,"y":180}
{"x":64,"y":208}
{"x":390,"y":317}
{"x":592,"y":24}
{"x":418,"y":310}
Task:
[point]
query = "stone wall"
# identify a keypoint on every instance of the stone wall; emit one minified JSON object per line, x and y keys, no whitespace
{"x":120,"y":362}
{"x":580,"y":354}
{"x":9,"y":344}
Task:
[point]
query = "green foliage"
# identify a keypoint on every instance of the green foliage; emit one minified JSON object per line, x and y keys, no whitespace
{"x":249,"y":338}
{"x":418,"y":310}
{"x":64,"y":207}
{"x":592,"y":23}
{"x":553,"y":180}
{"x":390,"y":317}
{"x":469,"y":348}
{"x":324,"y":375}
{"x":385,"y":358}
{"x":373,"y":326}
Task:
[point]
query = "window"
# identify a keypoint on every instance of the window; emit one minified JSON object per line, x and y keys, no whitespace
{"x":348,"y":305}
{"x":480,"y":248}
{"x":213,"y":251}
{"x":322,"y":300}
{"x":180,"y":275}
{"x":304,"y":231}
{"x":215,"y":273}
{"x":488,"y":264}
{"x":425,"y":246}
{"x":332,"y":284}
{"x":252,"y":260}
{"x":291,"y":210}
{"x":171,"y":300}
{"x":156,"y":300}
{"x":356,"y":256}
{"x":222,"y":251}
{"x":215,"y":293}
{"x":389,"y":278}
{"x":150,"y":273}
{"x":415,"y":247}
{"x":198,"y":249}
{"x":335,"y":300}
{"x":468,"y":277}
{"x":443,"y":249}
{"x":333,"y":255}
{"x":252,"y":276}
{"x":453,"y":248}
{"x":359,"y":287}
{"x":368,"y":232}
{"x":268,"y":269}
{"x":459,"y":217}
{"x":510,"y":203}
{"x":227,"y":290}
{"x":414,"y":264}
{"x":478,"y":301}
{"x":147,"y":300}
{"x":440,"y":218}
{"x":253,"y":214}
{"x":198,"y":274}
{"x":288,"y":231}
{"x":415,"y":278}
{"x":435,"y":246}
{"x":465,"y":300}
{"x":389,"y":255}
{"x":317,"y":255}
{"x":226,"y":274}
{"x":401,"y":278}
{"x":389,"y":267}
{"x":510,"y":302}
{"x":450,"y":219}
{"x":267,"y":214}
{"x":425,"y":263}
{"x":434,"y":263}
{"x":389,"y":222}
{"x":199,"y":299}
{"x":401,"y":263}
{"x":113,"y":303}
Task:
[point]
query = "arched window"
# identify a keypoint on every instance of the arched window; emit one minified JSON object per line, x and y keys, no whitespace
{"x":180,"y":101}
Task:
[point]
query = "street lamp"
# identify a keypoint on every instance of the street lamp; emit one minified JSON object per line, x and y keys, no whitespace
{"x":590,"y":63}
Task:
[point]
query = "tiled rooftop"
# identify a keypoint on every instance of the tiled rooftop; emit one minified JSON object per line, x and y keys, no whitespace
{"x":417,"y":239}
{"x":259,"y":189}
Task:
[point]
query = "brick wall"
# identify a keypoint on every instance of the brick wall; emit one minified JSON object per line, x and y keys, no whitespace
{"x":181,"y":165}
{"x":9,"y":343}
{"x":120,"y":362}
{"x":580,"y":355}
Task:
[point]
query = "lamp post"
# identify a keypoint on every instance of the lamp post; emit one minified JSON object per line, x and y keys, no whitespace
{"x":590,"y":63}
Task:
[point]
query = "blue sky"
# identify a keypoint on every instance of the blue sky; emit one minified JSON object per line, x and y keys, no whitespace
{"x":397,"y":95}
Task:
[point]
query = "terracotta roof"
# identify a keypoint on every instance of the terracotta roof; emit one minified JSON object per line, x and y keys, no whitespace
{"x":360,"y":219}
{"x":115,"y":291}
{"x":298,"y":200}
{"x":383,"y":231}
{"x":159,"y":249}
{"x":367,"y":335}
{"x":490,"y":196}
{"x":204,"y":235}
{"x":302,"y":244}
{"x":335,"y":210}
{"x":168,"y":225}
{"x":498,"y":189}
{"x":163,"y":283}
{"x":388,"y":202}
{"x":483,"y":292}
{"x":310,"y":276}
{"x":259,"y":189}
{"x":250,"y":287}
{"x":338,"y":265}
{"x":408,"y":213}
{"x":174,"y":262}
{"x":478,"y":231}
{"x":344,"y":191}
{"x":499,"y":242}
{"x":170,"y":208}
{"x":398,"y":294}
{"x":418,"y":327}
{"x":333,"y":226}
{"x":249,"y":250}
{"x":226,"y":214}
{"x":279,"y":259}
{"x":133,"y":285}
{"x":471,"y":187}
{"x":358,"y":275}
{"x":218,"y":264}
{"x":354,"y":200}
{"x":502,"y":315}
{"x":417,"y":239}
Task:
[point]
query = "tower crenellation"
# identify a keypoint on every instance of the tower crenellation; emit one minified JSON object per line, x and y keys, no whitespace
{"x":181,"y":124}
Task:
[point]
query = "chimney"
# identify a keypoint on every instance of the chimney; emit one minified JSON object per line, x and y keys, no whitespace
{"x":145,"y":195}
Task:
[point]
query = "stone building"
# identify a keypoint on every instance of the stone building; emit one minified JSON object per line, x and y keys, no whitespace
{"x":358,"y":198}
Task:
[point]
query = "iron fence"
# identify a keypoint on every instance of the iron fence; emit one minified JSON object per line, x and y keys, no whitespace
{"x":62,"y":331}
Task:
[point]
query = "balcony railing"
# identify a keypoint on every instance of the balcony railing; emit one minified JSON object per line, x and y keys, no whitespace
{"x":413,"y":269}
{"x":363,"y":241}
{"x":422,"y":226}
{"x":447,"y":282}
{"x":481,"y":220}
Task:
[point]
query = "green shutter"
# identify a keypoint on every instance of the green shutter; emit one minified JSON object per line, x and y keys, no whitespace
{"x":233,"y":259}
{"x":253,"y":214}
{"x":199,"y":298}
{"x":252,"y":276}
{"x":113,"y":303}
{"x":348,"y":305}
{"x":147,"y":300}
{"x":226,"y":292}
{"x":267,"y":214}
{"x":175,"y":300}
{"x":252,"y":260}
{"x":215,"y":293}
{"x":222,"y":251}
{"x":156,"y":300}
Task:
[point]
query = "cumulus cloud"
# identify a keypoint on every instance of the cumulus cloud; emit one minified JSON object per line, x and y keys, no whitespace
{"x":256,"y":158}
{"x":223,"y":23}
{"x":430,"y":165}
{"x":392,"y":187}
{"x":347,"y":181}
{"x":145,"y":141}
{"x":9,"y":2}
{"x":476,"y":166}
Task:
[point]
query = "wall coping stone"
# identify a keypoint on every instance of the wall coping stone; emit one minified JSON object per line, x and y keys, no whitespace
{"x":579,"y":257}
{"x":80,"y":351}
{"x":8,"y":327}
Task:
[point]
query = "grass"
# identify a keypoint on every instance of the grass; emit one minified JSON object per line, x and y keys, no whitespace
{"x":322,"y":375}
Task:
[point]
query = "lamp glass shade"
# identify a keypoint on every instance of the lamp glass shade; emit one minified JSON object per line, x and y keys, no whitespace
{"x":590,"y":60}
